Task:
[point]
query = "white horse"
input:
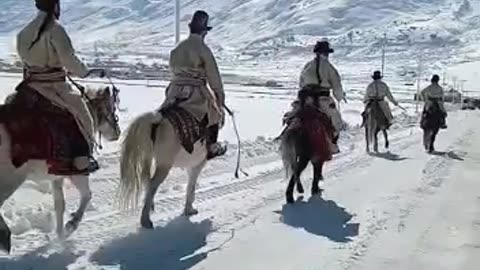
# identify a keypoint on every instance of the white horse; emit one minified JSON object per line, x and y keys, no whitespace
{"x":151,"y":137}
{"x":102,"y":105}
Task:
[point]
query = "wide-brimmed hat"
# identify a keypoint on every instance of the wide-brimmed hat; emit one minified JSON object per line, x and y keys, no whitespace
{"x":323,"y":46}
{"x":46,"y":5}
{"x":377,"y":75}
{"x":199,"y":22}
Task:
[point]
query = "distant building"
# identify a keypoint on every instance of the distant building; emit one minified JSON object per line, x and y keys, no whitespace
{"x":453,"y":96}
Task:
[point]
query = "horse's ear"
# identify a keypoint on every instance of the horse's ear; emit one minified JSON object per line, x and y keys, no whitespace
{"x":90,"y":93}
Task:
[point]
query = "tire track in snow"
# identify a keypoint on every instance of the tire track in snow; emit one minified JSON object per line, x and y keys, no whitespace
{"x":435,"y":173}
{"x":110,"y":224}
{"x":345,"y":162}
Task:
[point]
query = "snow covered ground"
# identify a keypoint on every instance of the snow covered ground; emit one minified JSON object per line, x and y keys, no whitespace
{"x":402,"y":210}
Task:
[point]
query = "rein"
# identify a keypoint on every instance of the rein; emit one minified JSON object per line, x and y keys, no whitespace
{"x":113,"y":120}
{"x":239,"y":142}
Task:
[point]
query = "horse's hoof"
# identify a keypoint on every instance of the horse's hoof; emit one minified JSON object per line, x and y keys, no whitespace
{"x":290,"y":200}
{"x":71,"y":227}
{"x":190,"y":212}
{"x":317,"y":193}
{"x":6,"y":240}
{"x":147,"y":224}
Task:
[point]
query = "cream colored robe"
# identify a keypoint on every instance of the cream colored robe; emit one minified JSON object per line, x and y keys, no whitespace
{"x":434,"y":90}
{"x":380,"y":90}
{"x":55,"y":50}
{"x":330,"y":80}
{"x":194,"y":66}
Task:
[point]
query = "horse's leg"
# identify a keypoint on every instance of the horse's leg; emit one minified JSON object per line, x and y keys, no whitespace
{"x":83,"y":186}
{"x":59,"y":203}
{"x":426,"y":136}
{"x":387,"y":142}
{"x":5,"y":236}
{"x":375,"y":141}
{"x":193,"y":174}
{"x":299,"y":184}
{"x":295,"y":179}
{"x":317,"y":177}
{"x":367,"y":139}
{"x":431,"y":148}
{"x":8,"y":184}
{"x":158,"y":178}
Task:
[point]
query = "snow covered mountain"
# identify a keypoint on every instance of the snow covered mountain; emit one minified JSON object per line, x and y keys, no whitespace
{"x":255,"y":28}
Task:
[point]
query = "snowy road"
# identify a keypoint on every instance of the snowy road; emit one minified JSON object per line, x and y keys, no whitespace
{"x":403,"y":210}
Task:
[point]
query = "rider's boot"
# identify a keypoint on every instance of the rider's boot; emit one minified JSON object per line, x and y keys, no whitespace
{"x":443,"y":124}
{"x":86,"y":165}
{"x":214,"y":148}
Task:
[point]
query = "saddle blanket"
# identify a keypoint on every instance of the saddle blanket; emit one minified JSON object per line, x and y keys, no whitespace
{"x":42,"y":131}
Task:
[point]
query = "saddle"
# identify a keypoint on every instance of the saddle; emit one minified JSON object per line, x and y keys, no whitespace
{"x":313,"y":123}
{"x":42,"y":131}
{"x":186,"y":126}
{"x":432,"y":116}
{"x":373,"y":105}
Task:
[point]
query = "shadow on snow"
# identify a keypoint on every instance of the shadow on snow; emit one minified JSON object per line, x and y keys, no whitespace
{"x":173,"y":246}
{"x":322,"y":218}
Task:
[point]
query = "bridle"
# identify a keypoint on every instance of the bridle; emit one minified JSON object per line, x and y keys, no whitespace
{"x":111,"y":117}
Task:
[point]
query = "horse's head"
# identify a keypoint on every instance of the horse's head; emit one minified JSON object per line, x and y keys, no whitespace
{"x":102,"y":104}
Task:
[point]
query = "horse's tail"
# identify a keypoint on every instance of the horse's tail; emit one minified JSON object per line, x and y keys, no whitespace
{"x":289,"y":154}
{"x":371,"y":123}
{"x":137,"y":154}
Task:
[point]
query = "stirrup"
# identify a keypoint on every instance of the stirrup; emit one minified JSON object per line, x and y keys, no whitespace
{"x":91,"y":168}
{"x":216,"y":150}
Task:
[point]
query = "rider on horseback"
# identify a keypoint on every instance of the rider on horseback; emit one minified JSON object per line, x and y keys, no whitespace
{"x":47,"y":55}
{"x":434,"y":94}
{"x":318,"y":77}
{"x":193,"y":65}
{"x":378,"y":91}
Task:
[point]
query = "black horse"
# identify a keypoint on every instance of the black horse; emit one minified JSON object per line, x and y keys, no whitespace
{"x":306,"y":140}
{"x":432,"y":119}
{"x":374,"y":122}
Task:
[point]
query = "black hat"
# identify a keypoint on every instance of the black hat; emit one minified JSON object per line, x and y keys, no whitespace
{"x":199,"y":22}
{"x":377,"y":75}
{"x":46,"y":5}
{"x":435,"y":78}
{"x":323,"y":47}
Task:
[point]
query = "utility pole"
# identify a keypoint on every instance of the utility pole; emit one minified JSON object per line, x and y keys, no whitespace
{"x":384,"y":47}
{"x":419,"y":79}
{"x":177,"y":21}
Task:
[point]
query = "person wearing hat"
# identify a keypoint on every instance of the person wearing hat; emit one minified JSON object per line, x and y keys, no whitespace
{"x":379,"y":90}
{"x":47,"y":54}
{"x":193,"y":66}
{"x":434,"y":93}
{"x":320,"y":76}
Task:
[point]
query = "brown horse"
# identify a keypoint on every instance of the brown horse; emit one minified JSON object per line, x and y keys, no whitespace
{"x":432,"y":120}
{"x":306,"y":139}
{"x":375,"y":121}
